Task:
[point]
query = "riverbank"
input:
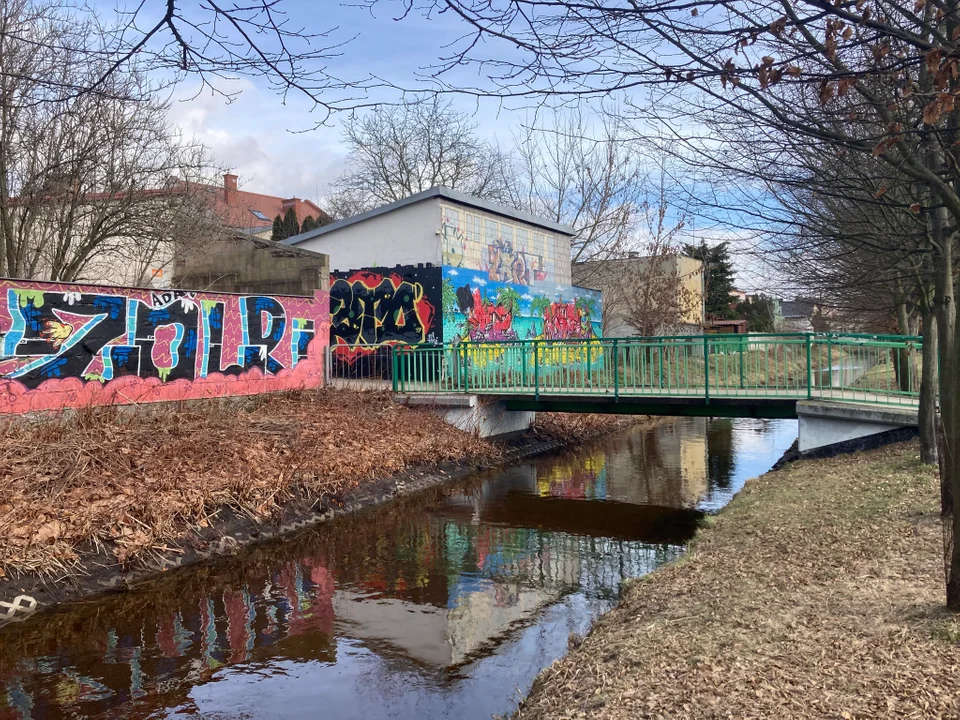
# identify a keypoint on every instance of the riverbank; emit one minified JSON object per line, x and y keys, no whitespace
{"x":816,"y":593}
{"x":100,"y":498}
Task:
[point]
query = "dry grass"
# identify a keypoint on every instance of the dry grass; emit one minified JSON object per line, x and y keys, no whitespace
{"x":571,"y":428}
{"x":816,"y":594}
{"x":137,"y":481}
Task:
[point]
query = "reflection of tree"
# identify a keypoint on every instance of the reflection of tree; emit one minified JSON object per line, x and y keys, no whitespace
{"x":721,"y":464}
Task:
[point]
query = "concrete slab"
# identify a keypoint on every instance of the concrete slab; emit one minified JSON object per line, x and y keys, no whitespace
{"x":824,"y":424}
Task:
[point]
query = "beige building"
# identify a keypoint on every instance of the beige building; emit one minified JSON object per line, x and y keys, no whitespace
{"x":646,"y":295}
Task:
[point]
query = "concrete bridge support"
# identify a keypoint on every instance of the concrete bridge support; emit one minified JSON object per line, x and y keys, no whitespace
{"x":831,"y":427}
{"x":484,"y":417}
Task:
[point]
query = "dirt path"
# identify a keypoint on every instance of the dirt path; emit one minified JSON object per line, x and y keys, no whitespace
{"x":816,"y":594}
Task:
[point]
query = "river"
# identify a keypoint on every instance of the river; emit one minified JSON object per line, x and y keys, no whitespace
{"x":442,"y":604}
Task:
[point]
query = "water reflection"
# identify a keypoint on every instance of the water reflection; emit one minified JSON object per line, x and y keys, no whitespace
{"x":444,"y":604}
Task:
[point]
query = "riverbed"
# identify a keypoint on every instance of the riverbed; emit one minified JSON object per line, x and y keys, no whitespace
{"x":442,"y":604}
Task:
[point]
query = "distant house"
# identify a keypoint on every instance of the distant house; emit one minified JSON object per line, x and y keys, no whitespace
{"x":798,"y":315}
{"x":443,"y":266}
{"x":253,"y":213}
{"x":647,"y":295}
{"x":176,"y":218}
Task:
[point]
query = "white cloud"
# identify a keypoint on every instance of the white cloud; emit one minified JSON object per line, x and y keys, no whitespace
{"x":251,"y":137}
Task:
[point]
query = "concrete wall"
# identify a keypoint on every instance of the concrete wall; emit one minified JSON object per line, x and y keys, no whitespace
{"x":405,"y":236}
{"x":252,"y":265}
{"x":624,"y":282}
{"x":504,"y":249}
{"x":69,"y":346}
{"x":824,"y":425}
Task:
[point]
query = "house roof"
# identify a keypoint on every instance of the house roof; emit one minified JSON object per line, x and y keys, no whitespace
{"x":240,"y":208}
{"x":797,"y":308}
{"x":435,"y":192}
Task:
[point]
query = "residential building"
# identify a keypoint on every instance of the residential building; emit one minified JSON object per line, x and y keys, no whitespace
{"x":646,"y":295}
{"x":253,"y":213}
{"x":798,"y":315}
{"x":503,"y":274}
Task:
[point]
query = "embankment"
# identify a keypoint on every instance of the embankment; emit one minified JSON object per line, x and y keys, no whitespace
{"x":816,"y":593}
{"x":103,"y":498}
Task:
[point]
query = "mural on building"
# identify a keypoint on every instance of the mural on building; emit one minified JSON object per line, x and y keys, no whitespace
{"x":506,"y":251}
{"x":476,"y":309}
{"x":66,"y":345}
{"x":375,"y":306}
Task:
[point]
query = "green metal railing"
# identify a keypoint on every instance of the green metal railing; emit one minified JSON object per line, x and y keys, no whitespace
{"x":883,"y":369}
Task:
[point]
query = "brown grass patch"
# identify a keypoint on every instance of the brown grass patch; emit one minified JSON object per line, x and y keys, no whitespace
{"x":576,"y":427}
{"x":136,"y":481}
{"x":816,"y":594}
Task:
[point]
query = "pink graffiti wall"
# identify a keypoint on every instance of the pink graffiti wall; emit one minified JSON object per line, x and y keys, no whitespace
{"x":69,"y":346}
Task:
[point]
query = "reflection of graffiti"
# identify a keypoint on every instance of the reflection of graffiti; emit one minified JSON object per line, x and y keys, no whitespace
{"x":70,"y":345}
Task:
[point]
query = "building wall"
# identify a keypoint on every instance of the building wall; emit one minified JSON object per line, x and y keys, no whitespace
{"x":252,"y":265}
{"x":69,"y":346}
{"x":375,"y":306}
{"x":620,"y":276}
{"x":508,"y":251}
{"x":405,"y":236}
{"x":507,"y":280}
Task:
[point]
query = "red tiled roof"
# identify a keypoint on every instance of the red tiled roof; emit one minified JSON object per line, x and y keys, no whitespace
{"x":237,"y":208}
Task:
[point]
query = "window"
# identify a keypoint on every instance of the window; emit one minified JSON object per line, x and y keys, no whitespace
{"x":259,"y":215}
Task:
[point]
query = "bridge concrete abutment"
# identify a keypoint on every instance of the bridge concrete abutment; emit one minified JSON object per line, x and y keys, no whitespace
{"x":483,"y":417}
{"x":826,"y":428}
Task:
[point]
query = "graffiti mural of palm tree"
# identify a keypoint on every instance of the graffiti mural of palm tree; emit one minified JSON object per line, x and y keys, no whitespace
{"x":509,"y":299}
{"x":539,"y":305}
{"x":587,"y":306}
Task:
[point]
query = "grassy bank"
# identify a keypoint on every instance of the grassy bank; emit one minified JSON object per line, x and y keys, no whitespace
{"x":128,"y":486}
{"x":816,"y":593}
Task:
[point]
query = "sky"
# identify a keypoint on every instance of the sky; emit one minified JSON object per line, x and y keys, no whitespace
{"x":276,"y":145}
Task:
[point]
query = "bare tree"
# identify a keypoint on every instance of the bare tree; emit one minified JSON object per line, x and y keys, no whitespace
{"x":398,"y":151}
{"x":94,"y":186}
{"x":874,"y":77}
{"x":203,"y":39}
{"x":583,"y":174}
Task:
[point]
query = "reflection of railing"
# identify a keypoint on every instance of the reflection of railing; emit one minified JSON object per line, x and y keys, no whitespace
{"x":882,"y":369}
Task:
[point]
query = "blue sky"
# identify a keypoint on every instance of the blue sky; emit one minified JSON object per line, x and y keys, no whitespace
{"x":273,"y":143}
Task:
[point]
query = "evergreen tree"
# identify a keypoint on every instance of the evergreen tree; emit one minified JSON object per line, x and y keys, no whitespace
{"x":718,"y":274}
{"x":277,"y":233}
{"x":291,"y":226}
{"x":309,"y":224}
{"x":760,"y":314}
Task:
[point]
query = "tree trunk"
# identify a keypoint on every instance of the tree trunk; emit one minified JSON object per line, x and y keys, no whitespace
{"x":928,"y":390}
{"x":901,"y":357}
{"x":949,"y":396}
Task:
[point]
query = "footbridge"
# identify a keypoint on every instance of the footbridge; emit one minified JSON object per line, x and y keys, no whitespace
{"x":860,"y":378}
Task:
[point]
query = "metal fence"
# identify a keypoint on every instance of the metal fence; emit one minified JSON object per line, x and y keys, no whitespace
{"x":882,"y":369}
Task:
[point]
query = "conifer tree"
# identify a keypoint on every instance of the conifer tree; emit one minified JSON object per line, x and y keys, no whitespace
{"x":291,"y":226}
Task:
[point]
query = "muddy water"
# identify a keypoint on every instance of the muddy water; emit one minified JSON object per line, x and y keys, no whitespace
{"x":445,"y":604}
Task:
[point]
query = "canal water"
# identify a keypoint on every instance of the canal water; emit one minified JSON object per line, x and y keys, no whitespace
{"x":445,"y":604}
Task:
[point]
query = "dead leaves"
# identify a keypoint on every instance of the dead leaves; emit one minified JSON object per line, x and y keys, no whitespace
{"x":138,"y":482}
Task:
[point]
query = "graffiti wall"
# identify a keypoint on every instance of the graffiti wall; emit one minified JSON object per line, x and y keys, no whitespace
{"x":479,"y":309}
{"x":378,"y":306}
{"x":505,"y":250}
{"x":66,"y":345}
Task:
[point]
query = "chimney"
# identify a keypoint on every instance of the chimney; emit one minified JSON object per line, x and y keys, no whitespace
{"x":229,"y":185}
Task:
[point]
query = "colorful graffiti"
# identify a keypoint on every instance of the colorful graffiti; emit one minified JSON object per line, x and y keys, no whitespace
{"x":478,"y":310}
{"x":372,"y":307}
{"x":66,"y":345}
{"x":514,"y":266}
